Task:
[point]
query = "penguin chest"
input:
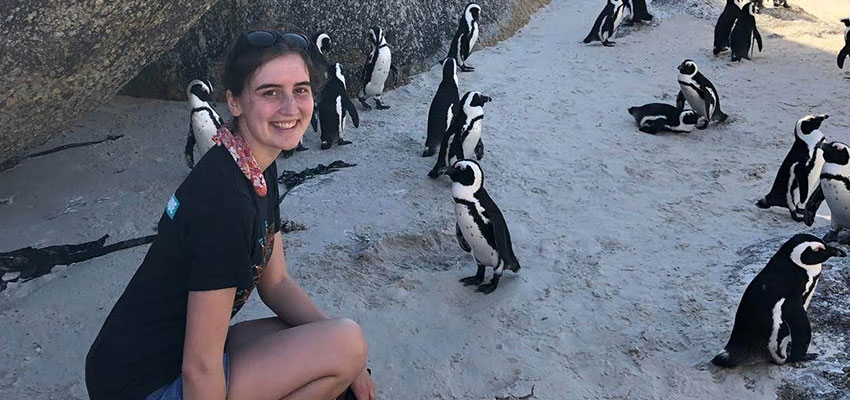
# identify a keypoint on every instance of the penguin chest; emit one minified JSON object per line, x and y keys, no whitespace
{"x":838,"y":199}
{"x":473,"y":38}
{"x":380,"y":72}
{"x":692,"y":95}
{"x":203,"y":128}
{"x":780,"y":334}
{"x":473,"y":225}
{"x":340,"y":113}
{"x":471,"y":138}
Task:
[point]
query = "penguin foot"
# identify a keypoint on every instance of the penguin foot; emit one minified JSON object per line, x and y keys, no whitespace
{"x":488,"y":288}
{"x":704,"y":124}
{"x":762,"y":203}
{"x":472,"y":280}
{"x":428,"y":152}
{"x":719,"y":50}
{"x":363,"y":102}
{"x":796,"y":217}
{"x":380,"y":106}
{"x":435,"y":173}
{"x":467,"y":68}
{"x":609,"y":43}
{"x":343,"y":142}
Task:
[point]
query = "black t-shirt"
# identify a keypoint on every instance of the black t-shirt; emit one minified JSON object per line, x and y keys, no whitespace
{"x":215,"y":233}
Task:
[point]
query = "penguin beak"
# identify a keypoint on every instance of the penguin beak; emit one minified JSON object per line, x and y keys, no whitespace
{"x":486,"y":99}
{"x":835,"y":252}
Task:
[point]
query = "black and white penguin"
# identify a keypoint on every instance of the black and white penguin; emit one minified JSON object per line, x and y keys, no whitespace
{"x":464,"y":133}
{"x":723,"y":27}
{"x":656,"y":117}
{"x":376,"y":70}
{"x":700,"y":94}
{"x":481,"y":229}
{"x":776,"y":3}
{"x":442,"y":107}
{"x":772,"y":322}
{"x":835,"y":189}
{"x":845,"y":51}
{"x":607,"y":23}
{"x":466,"y":36}
{"x":334,"y":108}
{"x":203,"y":120}
{"x":639,"y":11}
{"x":799,"y":174}
{"x":745,"y":35}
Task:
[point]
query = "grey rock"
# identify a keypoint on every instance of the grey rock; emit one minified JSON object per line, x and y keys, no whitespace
{"x":418,"y":32}
{"x":60,"y":59}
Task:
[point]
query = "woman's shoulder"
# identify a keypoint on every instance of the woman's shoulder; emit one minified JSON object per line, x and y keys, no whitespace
{"x":215,"y":181}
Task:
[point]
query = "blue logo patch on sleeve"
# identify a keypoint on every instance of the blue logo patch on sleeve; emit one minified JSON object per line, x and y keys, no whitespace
{"x":173,"y":205}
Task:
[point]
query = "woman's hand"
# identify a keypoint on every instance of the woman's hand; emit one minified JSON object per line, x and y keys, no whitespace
{"x":363,"y":386}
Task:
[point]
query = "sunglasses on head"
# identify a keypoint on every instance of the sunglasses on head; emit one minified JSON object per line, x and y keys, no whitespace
{"x":263,"y":38}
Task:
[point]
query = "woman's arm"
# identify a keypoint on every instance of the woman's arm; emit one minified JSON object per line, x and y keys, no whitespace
{"x":207,"y":321}
{"x":282,"y":294}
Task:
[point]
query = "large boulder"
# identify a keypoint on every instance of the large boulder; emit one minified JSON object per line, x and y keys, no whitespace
{"x":60,"y":59}
{"x":418,"y":32}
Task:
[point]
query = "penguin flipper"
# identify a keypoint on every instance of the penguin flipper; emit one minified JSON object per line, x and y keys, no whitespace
{"x":501,"y":233}
{"x":314,"y":120}
{"x":845,"y":51}
{"x":680,"y":101}
{"x":801,"y":175}
{"x":812,"y":206}
{"x":757,"y":36}
{"x":479,"y":149}
{"x":189,"y":150}
{"x":461,"y":241}
{"x":801,"y":329}
{"x":349,"y":106}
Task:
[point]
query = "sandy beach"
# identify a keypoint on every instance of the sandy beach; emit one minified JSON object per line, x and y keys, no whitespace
{"x":635,"y":249}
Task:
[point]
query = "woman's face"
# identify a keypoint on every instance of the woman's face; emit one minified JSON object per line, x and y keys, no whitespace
{"x":275,"y":106}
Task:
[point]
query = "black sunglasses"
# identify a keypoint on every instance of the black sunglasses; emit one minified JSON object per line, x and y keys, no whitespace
{"x":262,"y":38}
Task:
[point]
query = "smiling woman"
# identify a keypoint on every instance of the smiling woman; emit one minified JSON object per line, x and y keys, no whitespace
{"x":169,"y":334}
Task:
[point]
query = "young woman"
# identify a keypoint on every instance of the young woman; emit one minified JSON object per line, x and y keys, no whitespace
{"x":169,"y":334}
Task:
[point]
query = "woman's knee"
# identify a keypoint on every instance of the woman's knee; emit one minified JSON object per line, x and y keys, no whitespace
{"x":352,"y":342}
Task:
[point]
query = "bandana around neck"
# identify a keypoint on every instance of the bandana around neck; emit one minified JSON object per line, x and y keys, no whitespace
{"x":243,"y":157}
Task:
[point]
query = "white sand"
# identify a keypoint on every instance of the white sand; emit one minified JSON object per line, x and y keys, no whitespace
{"x":635,"y":248}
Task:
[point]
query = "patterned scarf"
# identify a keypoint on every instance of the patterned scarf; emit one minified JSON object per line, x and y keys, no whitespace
{"x":243,"y":157}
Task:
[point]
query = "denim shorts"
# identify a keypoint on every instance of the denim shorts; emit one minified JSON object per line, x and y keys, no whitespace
{"x":174,"y":390}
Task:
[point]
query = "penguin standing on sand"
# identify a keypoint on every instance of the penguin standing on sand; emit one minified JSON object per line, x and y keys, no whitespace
{"x":799,"y":174}
{"x":835,"y":189}
{"x":845,"y":51}
{"x":723,"y":27}
{"x":204,"y":122}
{"x":700,"y":94}
{"x":481,"y":229}
{"x":772,"y":322}
{"x":607,"y":23}
{"x":464,"y":134}
{"x":656,"y":117}
{"x":745,"y":35}
{"x":376,"y":70}
{"x":334,"y":108}
{"x":466,"y":36}
{"x":442,"y":107}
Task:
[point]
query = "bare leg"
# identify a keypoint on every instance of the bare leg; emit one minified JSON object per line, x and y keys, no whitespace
{"x":319,"y":360}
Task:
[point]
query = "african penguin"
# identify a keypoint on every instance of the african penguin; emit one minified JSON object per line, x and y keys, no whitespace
{"x":799,"y":173}
{"x":835,"y":189}
{"x":639,"y":11}
{"x":466,"y":36}
{"x":745,"y":35}
{"x":845,"y":51}
{"x":481,"y":229}
{"x":334,"y":108}
{"x":772,"y":322}
{"x":723,"y":27}
{"x":464,"y":133}
{"x":700,"y":94}
{"x":442,"y":106}
{"x":376,"y":70}
{"x":607,"y":23}
{"x":204,"y":122}
{"x":656,"y":117}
